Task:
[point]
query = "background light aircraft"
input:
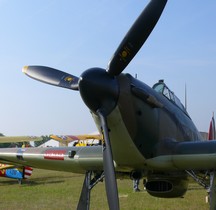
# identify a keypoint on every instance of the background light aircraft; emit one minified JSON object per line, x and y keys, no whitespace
{"x":19,"y":139}
{"x":12,"y":172}
{"x":87,"y":138}
{"x":147,"y":132}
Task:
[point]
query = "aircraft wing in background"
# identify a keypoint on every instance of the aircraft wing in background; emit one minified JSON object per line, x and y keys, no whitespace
{"x":12,"y":139}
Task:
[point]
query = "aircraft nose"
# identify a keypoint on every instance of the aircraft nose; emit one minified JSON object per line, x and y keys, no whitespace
{"x":99,"y":90}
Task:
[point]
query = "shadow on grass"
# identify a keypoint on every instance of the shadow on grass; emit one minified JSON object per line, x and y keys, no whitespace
{"x":43,"y":180}
{"x":47,"y":182}
{"x":195,"y":188}
{"x":9,"y":182}
{"x":32,"y":182}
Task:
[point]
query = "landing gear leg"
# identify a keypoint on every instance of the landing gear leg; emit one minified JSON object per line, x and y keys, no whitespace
{"x":88,"y":184}
{"x":19,"y":181}
{"x":84,"y":201}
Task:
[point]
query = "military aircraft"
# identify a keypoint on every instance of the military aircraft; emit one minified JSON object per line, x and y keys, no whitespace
{"x":146,"y":131}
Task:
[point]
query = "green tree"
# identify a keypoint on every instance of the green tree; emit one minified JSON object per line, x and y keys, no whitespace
{"x":44,"y":140}
{"x":4,"y":145}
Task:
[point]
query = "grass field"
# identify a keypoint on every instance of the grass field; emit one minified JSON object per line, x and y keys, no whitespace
{"x":51,"y":190}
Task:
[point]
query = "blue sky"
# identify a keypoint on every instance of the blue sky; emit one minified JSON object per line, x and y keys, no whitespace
{"x":75,"y":35}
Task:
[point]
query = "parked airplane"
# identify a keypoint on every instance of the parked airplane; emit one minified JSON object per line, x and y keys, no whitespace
{"x":146,"y":131}
{"x":16,"y":139}
{"x":86,"y":138}
{"x":12,"y":172}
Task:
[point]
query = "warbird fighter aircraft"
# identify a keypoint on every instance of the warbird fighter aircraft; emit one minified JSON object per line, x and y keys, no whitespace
{"x":148,"y":123}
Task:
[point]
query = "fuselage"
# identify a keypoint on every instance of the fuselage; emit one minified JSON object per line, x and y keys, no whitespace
{"x":142,"y":123}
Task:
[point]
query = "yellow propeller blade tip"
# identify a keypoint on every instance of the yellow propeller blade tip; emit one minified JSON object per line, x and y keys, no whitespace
{"x":24,"y":69}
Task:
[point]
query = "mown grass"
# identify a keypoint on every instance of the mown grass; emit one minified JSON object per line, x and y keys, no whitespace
{"x":51,"y":190}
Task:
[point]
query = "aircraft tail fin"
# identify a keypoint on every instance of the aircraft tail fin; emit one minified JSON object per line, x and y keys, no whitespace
{"x":27,"y":172}
{"x":211,"y":134}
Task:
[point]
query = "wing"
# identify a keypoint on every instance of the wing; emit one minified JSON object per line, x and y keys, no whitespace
{"x":11,"y":139}
{"x":70,"y":138}
{"x":190,"y":155}
{"x":71,"y":159}
{"x":6,"y":166}
{"x":173,"y":156}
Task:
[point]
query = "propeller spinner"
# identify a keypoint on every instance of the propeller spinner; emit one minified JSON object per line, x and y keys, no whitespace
{"x":99,"y":88}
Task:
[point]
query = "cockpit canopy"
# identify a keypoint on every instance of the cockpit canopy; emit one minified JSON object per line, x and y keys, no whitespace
{"x":161,"y":87}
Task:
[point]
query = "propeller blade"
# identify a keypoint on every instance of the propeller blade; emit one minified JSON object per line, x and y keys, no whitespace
{"x":52,"y":76}
{"x":136,"y":37}
{"x":109,"y":171}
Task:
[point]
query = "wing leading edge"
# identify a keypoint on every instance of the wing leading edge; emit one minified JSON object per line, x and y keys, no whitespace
{"x":190,"y":155}
{"x":71,"y":159}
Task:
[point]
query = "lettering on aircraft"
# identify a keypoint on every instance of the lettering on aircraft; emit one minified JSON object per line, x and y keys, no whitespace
{"x":54,"y":154}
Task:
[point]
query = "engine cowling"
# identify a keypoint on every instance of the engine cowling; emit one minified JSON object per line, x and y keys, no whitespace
{"x":166,"y":187}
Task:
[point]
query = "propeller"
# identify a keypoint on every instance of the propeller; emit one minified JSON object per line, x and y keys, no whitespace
{"x":52,"y":76}
{"x":109,"y":170}
{"x":136,"y":37}
{"x":99,"y":87}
